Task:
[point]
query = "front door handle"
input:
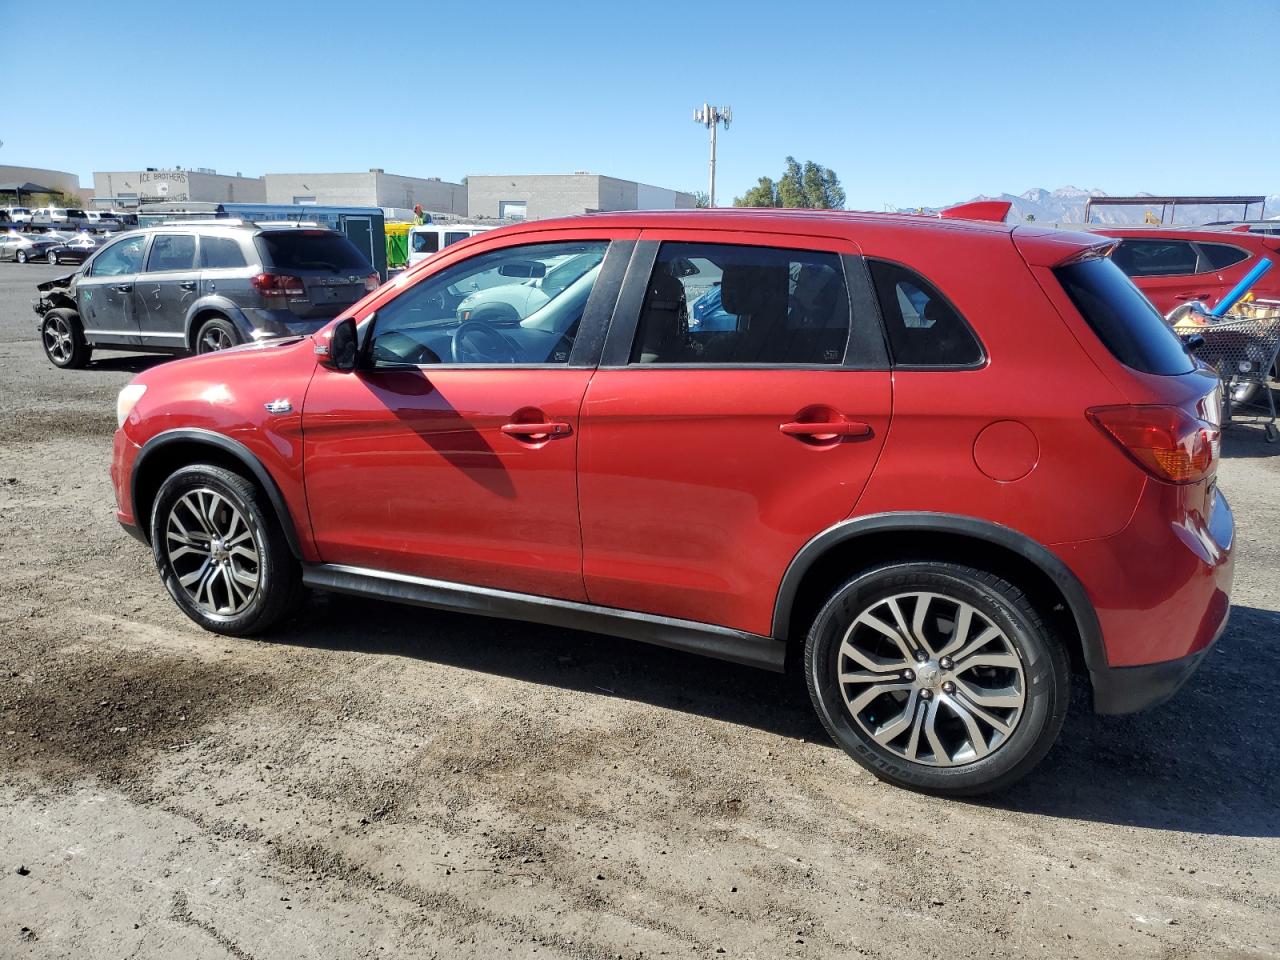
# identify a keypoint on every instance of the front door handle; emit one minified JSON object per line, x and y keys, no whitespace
{"x":188,"y":284}
{"x":542,"y":431}
{"x":1192,"y":296}
{"x":829,"y":429}
{"x":123,"y":287}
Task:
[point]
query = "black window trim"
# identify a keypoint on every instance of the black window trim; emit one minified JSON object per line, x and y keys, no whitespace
{"x":870,"y":345}
{"x":983,"y":357}
{"x":585,"y":354}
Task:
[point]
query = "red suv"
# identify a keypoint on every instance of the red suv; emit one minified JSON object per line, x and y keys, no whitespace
{"x":932,"y":463}
{"x":1176,"y":265}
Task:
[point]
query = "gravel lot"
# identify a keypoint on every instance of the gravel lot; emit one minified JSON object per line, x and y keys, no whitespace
{"x":379,"y":781}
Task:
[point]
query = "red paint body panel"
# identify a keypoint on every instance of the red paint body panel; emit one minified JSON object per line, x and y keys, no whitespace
{"x":410,"y":471}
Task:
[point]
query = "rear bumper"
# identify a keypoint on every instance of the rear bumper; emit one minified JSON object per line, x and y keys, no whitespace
{"x":1161,"y":589}
{"x":283,"y":323}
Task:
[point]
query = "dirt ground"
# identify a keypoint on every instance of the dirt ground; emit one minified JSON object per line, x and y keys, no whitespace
{"x":383,"y":781}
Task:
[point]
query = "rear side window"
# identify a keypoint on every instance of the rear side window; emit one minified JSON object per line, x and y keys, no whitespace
{"x":172,"y":251}
{"x":924,"y":329}
{"x":220,"y":253}
{"x":728,"y":304}
{"x":454,"y":236}
{"x":1155,"y":258}
{"x":1222,"y":255}
{"x":426,"y":242}
{"x":1124,"y":319}
{"x":311,"y":250}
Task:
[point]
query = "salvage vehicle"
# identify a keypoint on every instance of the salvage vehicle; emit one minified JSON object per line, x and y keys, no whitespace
{"x":25,"y":247}
{"x":199,"y":287}
{"x":1177,"y":265}
{"x":853,"y":479}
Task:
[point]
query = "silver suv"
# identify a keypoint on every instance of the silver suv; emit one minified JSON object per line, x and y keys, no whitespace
{"x":198,"y":287}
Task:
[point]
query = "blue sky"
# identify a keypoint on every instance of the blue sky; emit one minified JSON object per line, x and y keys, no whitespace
{"x":910,"y":102}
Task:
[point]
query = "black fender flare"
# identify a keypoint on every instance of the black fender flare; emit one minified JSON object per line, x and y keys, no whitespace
{"x":227,"y":445}
{"x":1077,"y":599}
{"x":216,"y":304}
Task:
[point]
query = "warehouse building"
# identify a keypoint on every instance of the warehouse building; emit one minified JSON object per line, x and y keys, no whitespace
{"x":377,"y":188}
{"x":55,"y":179}
{"x":129,"y":188}
{"x":537,"y":197}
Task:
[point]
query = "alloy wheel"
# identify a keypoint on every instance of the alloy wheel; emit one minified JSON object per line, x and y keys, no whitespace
{"x":214,"y":338}
{"x":931,"y":679}
{"x":53,"y":258}
{"x":58,"y":342}
{"x":21,"y":256}
{"x":212,"y":552}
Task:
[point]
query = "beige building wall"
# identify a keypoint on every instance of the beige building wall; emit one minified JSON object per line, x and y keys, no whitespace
{"x":174,"y":186}
{"x":376,"y":188}
{"x":57,"y":179}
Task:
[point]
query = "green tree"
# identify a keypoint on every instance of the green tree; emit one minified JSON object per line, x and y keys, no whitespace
{"x":809,"y":185}
{"x":701,"y":199}
{"x":763,"y":194}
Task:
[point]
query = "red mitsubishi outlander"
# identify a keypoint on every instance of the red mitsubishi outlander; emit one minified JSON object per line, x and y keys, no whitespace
{"x":931,"y":462}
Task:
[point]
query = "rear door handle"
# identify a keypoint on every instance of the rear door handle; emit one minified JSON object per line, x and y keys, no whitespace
{"x":550,"y":428}
{"x":188,"y":284}
{"x":832,"y":428}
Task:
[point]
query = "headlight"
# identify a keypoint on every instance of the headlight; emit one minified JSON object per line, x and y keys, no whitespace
{"x":127,"y":400}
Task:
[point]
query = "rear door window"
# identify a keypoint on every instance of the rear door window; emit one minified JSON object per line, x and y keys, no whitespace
{"x":220,"y":253}
{"x":426,"y":242}
{"x":1123,"y":318}
{"x":730,"y":304}
{"x":1222,"y":255}
{"x":172,"y":251}
{"x":1155,"y":258}
{"x":924,"y":329}
{"x":311,"y":250}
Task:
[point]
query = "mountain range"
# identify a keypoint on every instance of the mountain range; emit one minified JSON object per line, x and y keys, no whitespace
{"x":1066,"y":205}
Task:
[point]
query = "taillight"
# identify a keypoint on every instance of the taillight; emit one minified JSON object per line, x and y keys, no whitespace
{"x":278,"y":285}
{"x":1167,"y":442}
{"x":371,"y":282}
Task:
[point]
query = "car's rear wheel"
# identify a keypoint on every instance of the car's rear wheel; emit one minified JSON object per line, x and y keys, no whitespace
{"x":937,"y":677}
{"x":221,"y":552}
{"x":21,"y":256}
{"x":53,"y":257}
{"x":63,"y":339}
{"x":216,"y":334}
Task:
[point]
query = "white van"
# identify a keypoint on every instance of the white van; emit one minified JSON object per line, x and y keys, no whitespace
{"x":431,"y":238}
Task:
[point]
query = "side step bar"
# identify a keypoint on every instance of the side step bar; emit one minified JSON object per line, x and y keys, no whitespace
{"x":720,"y":642}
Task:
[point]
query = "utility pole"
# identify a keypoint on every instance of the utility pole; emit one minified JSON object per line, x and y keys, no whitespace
{"x":711,"y":117}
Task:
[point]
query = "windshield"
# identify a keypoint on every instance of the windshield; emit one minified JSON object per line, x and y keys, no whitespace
{"x":311,"y":250}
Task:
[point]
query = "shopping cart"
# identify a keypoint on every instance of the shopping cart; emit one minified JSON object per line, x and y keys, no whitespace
{"x":1243,"y":351}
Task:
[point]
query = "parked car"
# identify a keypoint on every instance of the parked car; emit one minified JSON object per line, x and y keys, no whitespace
{"x":17,"y":214}
{"x":854,"y":481}
{"x":429,"y":239}
{"x":75,"y":249}
{"x":199,"y":287}
{"x":24,"y":247}
{"x":1176,"y":265}
{"x":99,"y":221}
{"x":59,"y":218}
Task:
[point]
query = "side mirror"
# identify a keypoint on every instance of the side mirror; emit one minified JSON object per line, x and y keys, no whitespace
{"x":338,"y":348}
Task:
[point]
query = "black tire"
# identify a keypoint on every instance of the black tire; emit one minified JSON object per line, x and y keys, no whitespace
{"x":1044,"y":678}
{"x":216,"y":333}
{"x":62,"y":337}
{"x":52,"y":257}
{"x":20,"y":256}
{"x":279,"y":581}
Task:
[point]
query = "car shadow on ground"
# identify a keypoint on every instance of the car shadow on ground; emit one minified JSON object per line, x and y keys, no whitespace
{"x":1205,"y":762}
{"x":129,"y":363}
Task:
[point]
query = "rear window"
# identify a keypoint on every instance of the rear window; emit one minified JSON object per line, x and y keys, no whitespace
{"x":1124,"y":319}
{"x":311,"y":251}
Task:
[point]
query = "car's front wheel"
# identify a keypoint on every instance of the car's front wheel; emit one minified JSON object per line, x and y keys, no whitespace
{"x":221,"y":552}
{"x":63,"y":339}
{"x":53,"y":257}
{"x":937,"y":677}
{"x":21,"y":256}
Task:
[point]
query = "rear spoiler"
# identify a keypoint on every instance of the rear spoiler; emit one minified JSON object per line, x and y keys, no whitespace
{"x":1042,"y":247}
{"x":992,"y":211}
